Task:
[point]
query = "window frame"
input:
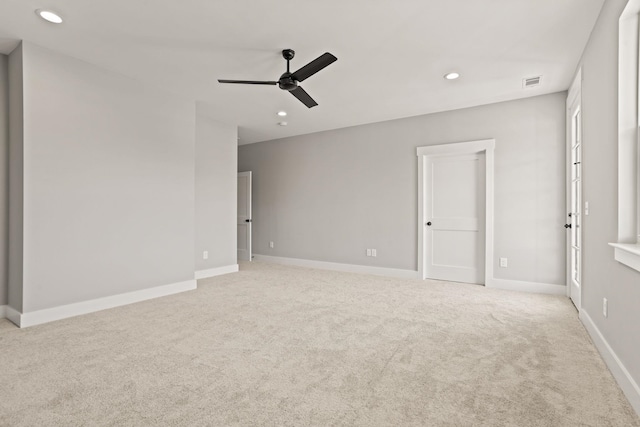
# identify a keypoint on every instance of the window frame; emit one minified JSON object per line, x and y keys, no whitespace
{"x":627,"y":247}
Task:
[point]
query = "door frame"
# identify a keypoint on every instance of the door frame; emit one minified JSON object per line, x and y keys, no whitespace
{"x":471,"y":147}
{"x":574,"y":98}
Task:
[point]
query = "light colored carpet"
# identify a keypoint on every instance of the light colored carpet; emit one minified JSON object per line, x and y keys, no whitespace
{"x":286,"y":346}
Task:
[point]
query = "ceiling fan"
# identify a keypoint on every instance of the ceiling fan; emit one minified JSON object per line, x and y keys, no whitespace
{"x":289,"y":81}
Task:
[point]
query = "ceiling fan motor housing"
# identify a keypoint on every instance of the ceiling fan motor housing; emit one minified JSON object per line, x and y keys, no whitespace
{"x":286,"y":82}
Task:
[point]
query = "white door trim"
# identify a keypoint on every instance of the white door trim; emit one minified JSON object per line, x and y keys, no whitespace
{"x":487,"y":146}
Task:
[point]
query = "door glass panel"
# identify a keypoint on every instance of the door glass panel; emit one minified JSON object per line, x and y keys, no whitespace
{"x":578,"y":218}
{"x":577,"y":162}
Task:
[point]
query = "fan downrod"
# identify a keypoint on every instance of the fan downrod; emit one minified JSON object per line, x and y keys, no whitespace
{"x":286,"y":82}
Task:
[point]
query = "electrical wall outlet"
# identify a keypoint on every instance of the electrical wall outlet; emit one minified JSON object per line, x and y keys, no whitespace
{"x":205,"y":255}
{"x":504,"y":262}
{"x":271,"y":245}
{"x":374,"y":252}
{"x":605,"y":307}
{"x":368,"y":252}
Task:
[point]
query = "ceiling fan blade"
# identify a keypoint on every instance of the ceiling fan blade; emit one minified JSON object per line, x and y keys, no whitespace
{"x":304,"y":97}
{"x":248,"y":82}
{"x":314,"y":66}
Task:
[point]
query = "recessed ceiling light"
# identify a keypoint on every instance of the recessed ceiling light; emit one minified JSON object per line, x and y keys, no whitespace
{"x":49,"y":16}
{"x":282,"y":123}
{"x":451,"y":76}
{"x":282,"y":113}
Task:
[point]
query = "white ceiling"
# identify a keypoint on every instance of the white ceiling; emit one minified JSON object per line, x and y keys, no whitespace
{"x":392,"y":55}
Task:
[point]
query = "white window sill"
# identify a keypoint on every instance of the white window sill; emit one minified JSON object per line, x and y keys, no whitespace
{"x":627,"y":254}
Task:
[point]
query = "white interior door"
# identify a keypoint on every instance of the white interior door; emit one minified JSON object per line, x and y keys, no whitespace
{"x":574,"y":221}
{"x":455,"y":217}
{"x":244,"y":216}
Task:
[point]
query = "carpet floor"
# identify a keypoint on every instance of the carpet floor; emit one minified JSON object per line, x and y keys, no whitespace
{"x":287,"y":346}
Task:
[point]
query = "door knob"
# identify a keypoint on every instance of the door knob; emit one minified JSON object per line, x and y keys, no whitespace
{"x":429,"y":223}
{"x":567,"y":226}
{"x":247,"y":220}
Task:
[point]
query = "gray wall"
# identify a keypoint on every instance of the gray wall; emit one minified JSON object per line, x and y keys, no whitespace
{"x":4,"y":177}
{"x":603,"y":277}
{"x":108,"y":183}
{"x":216,"y":191}
{"x":16,"y":181}
{"x":329,"y":196}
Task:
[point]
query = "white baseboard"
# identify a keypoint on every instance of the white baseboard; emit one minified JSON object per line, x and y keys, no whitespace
{"x":335,"y":266}
{"x":626,"y":382}
{"x":38,"y":317}
{"x":203,"y":274}
{"x":521,"y":286}
{"x":3,"y":311}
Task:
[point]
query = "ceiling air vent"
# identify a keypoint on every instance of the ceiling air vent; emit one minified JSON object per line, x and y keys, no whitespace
{"x":531,"y":82}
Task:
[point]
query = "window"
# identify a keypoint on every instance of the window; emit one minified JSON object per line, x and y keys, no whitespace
{"x":627,"y":248}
